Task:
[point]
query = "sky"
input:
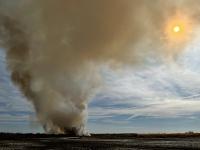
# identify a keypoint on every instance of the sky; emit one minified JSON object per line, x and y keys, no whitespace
{"x":124,"y":66}
{"x":158,"y":97}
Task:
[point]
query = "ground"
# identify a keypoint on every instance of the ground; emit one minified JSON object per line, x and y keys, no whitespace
{"x":100,"y":142}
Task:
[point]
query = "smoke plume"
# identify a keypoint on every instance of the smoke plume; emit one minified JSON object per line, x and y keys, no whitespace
{"x":55,"y":49}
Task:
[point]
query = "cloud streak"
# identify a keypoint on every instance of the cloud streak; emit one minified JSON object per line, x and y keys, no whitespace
{"x":159,"y":91}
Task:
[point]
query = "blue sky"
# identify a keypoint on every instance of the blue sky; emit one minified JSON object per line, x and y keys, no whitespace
{"x":160,"y":96}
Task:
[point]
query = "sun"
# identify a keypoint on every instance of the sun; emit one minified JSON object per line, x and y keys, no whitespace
{"x":178,"y":29}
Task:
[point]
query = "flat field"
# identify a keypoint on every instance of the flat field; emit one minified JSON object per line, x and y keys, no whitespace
{"x":100,"y":142}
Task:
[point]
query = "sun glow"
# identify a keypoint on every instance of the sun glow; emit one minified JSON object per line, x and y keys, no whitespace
{"x":178,"y":29}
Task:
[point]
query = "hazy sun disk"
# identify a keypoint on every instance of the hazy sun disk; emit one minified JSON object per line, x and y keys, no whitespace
{"x":178,"y":29}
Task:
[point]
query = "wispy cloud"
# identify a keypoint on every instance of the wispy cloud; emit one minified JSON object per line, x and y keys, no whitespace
{"x":167,"y":90}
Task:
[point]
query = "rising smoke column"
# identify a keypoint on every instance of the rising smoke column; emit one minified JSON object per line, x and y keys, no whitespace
{"x":55,"y":50}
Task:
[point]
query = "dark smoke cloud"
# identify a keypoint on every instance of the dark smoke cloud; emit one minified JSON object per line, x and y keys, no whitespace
{"x":55,"y":49}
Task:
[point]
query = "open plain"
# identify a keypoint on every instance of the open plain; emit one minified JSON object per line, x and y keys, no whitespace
{"x":100,"y":142}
